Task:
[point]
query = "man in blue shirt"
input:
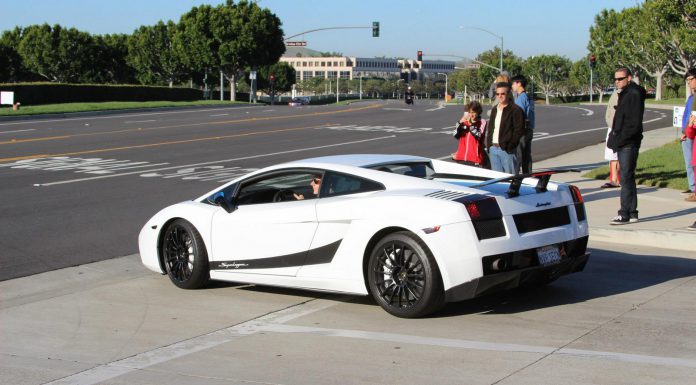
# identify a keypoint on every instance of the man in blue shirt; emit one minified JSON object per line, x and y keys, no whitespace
{"x":686,"y":142}
{"x":524,"y":150}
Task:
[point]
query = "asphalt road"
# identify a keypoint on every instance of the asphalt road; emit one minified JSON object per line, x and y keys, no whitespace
{"x":78,"y":190}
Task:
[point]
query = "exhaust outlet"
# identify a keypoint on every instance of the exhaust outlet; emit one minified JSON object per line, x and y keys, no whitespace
{"x":500,"y":264}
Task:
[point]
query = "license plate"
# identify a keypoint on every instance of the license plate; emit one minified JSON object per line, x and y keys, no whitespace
{"x":548,"y":255}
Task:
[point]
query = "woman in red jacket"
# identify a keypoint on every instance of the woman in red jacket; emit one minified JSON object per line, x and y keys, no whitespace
{"x":471,"y":132}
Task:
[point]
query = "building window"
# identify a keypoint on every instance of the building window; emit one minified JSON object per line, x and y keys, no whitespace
{"x":345,"y":74}
{"x":306,"y":75}
{"x":332,"y":74}
{"x":319,"y":74}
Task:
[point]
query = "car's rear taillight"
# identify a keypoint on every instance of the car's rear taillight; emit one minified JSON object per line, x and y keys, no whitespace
{"x":579,"y":203}
{"x":485,"y":215}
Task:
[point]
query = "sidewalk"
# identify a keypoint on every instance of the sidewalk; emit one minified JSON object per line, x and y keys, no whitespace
{"x":664,"y":214}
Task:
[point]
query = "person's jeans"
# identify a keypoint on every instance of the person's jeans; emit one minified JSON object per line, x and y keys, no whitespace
{"x":524,"y":152}
{"x":501,"y":160}
{"x":628,"y":157}
{"x":686,"y":150}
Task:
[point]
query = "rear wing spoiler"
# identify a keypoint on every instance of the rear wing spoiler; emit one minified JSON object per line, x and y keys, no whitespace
{"x":515,"y":180}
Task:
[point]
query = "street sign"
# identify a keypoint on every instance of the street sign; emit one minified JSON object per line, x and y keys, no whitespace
{"x":252,"y":75}
{"x":473,"y":65}
{"x":296,"y":43}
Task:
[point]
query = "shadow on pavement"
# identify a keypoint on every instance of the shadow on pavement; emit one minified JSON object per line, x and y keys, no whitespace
{"x":606,"y":274}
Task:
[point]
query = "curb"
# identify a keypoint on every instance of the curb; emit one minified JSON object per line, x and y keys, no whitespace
{"x":664,"y":239}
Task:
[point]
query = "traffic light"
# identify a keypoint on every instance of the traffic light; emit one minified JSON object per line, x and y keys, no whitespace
{"x":375,"y":29}
{"x":420,"y":55}
{"x":593,"y":61}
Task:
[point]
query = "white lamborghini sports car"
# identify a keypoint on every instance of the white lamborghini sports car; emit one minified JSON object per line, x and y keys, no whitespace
{"x":413,"y":232}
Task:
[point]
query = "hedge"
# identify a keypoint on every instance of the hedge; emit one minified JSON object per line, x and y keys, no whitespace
{"x":55,"y":93}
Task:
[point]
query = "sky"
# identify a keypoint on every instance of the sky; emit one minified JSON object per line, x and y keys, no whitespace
{"x":527,"y":28}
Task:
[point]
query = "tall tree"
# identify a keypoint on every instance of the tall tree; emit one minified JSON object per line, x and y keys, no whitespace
{"x":195,"y":43}
{"x":249,"y":36}
{"x":547,"y":72}
{"x":674,"y":22}
{"x":58,"y":54}
{"x":151,"y":53}
{"x":638,"y":36}
{"x":229,"y":38}
{"x":283,"y":73}
{"x":113,"y":59}
{"x":11,"y":66}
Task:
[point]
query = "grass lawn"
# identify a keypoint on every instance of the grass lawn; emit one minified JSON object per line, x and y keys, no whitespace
{"x":82,"y":107}
{"x":659,"y":167}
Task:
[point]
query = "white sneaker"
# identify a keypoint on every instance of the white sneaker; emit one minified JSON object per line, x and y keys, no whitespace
{"x":619,"y":220}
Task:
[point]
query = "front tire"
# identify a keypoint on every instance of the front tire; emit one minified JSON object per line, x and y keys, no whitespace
{"x":403,"y":277}
{"x":185,"y":257}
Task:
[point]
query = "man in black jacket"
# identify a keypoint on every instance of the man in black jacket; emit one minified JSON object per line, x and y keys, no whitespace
{"x":506,"y":127}
{"x":625,"y":139}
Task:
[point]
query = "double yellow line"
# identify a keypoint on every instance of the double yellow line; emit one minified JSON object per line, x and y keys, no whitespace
{"x":217,"y":137}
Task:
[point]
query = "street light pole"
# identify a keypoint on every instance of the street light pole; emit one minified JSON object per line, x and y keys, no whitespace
{"x":498,"y":36}
{"x":446,"y":84}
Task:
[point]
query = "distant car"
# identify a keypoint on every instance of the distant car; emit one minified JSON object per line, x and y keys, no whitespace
{"x":295,"y":102}
{"x":413,"y":232}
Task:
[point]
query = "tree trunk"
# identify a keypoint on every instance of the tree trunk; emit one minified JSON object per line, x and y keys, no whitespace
{"x":233,"y":87}
{"x":658,"y":86}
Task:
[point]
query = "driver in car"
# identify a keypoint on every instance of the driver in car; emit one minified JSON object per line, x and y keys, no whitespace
{"x":316,"y":185}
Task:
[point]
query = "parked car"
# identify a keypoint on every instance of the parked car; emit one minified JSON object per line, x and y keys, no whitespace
{"x":295,"y":102}
{"x":412,"y":232}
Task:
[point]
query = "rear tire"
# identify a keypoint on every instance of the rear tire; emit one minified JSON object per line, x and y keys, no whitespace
{"x":403,"y":277}
{"x":184,"y":255}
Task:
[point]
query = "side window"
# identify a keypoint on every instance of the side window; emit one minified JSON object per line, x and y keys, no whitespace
{"x":280,"y":187}
{"x":336,"y":184}
{"x":419,"y":170}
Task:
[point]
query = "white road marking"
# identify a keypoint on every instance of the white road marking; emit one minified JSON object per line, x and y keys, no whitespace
{"x":397,"y":109}
{"x":439,"y":107}
{"x":588,"y":112}
{"x":98,"y":117}
{"x":588,"y":130}
{"x":139,"y":121}
{"x":213,"y":162}
{"x":219,"y":115}
{"x":10,"y":132}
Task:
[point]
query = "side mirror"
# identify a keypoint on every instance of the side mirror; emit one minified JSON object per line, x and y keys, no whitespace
{"x":222,"y":202}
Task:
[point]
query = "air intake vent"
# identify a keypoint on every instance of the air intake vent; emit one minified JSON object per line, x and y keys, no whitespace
{"x":447,"y":195}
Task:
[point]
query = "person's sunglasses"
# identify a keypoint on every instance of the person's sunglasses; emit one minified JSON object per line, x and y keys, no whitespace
{"x":620,"y":79}
{"x":500,"y":93}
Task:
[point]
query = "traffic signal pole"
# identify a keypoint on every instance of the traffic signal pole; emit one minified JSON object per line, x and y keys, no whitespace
{"x":374,"y":27}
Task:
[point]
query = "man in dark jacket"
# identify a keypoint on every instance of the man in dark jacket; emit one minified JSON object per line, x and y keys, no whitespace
{"x":506,"y":127}
{"x":626,"y":136}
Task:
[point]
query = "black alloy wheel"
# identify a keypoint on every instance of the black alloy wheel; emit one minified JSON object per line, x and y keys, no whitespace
{"x":403,"y":277}
{"x":185,"y":257}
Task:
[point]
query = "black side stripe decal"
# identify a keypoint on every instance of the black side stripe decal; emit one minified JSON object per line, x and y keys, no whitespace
{"x":323,"y":254}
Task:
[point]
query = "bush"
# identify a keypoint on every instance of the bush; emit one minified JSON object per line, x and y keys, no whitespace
{"x":55,"y":93}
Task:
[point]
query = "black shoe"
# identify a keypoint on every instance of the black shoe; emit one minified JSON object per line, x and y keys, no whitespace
{"x":686,"y":192}
{"x":692,"y":227}
{"x":619,"y":220}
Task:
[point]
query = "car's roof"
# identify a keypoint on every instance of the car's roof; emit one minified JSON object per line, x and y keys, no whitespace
{"x":363,"y":160}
